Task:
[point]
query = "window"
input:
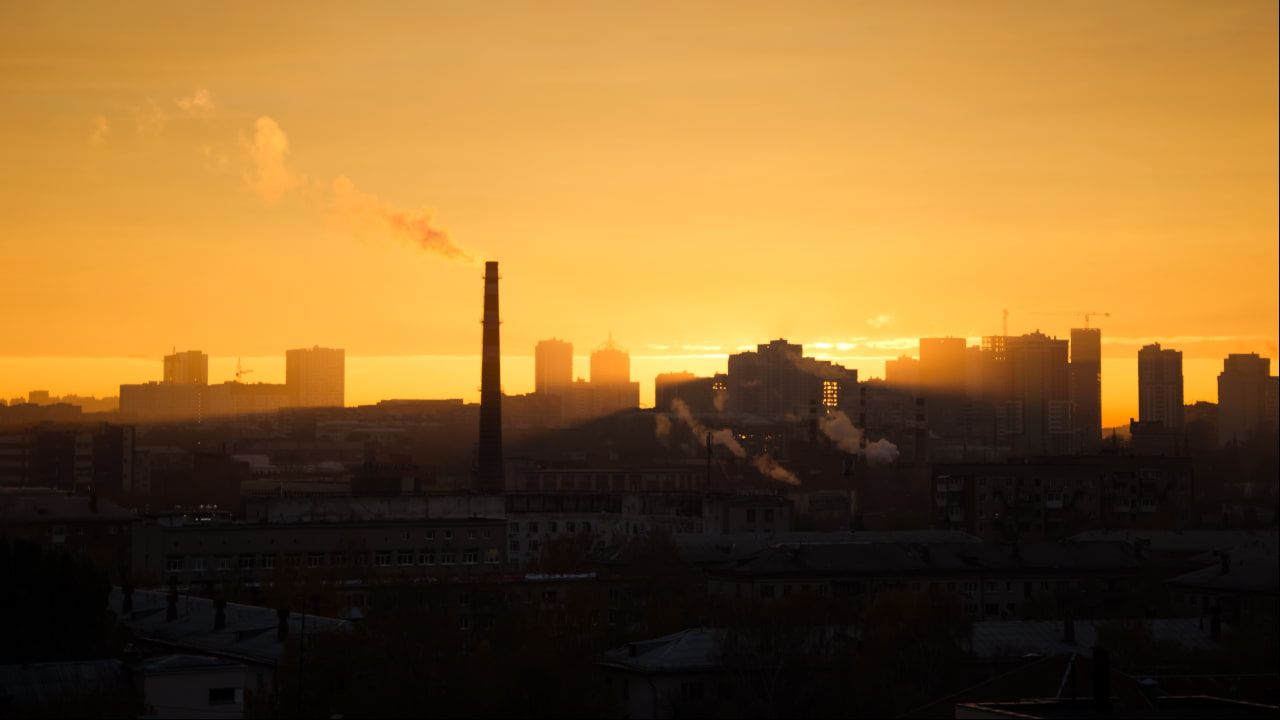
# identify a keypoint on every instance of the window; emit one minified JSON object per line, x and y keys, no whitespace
{"x":268,"y":562}
{"x":533,"y":546}
{"x":993,"y":609}
{"x":449,"y":558}
{"x":222,"y":696}
{"x":766,"y":591}
{"x":404,"y":557}
{"x":382,"y":558}
{"x":198,"y":563}
{"x":513,"y":528}
{"x":491,"y":556}
{"x":487,"y":533}
{"x":464,"y":623}
{"x":431,"y":534}
{"x":448,"y":535}
{"x":468,"y":557}
{"x":515,"y":546}
{"x":572,"y":526}
{"x":223,"y":563}
{"x":533,"y":527}
{"x":751,"y":515}
{"x":338,"y":560}
{"x":471,"y":533}
{"x":174,"y":564}
{"x":768,"y":516}
{"x":315,"y":560}
{"x":245,"y":562}
{"x":555,"y":527}
{"x":586,"y":526}
{"x":427,"y":558}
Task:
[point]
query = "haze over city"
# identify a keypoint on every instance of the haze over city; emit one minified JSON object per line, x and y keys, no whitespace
{"x":692,"y":190}
{"x":832,"y":358}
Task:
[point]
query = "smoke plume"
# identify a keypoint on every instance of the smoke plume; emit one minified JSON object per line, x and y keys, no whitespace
{"x":723,"y":437}
{"x":362,"y":210}
{"x":662,"y":429}
{"x":271,"y":178}
{"x":848,"y":437}
{"x":770,"y":468}
{"x":881,"y":452}
{"x":842,"y":432}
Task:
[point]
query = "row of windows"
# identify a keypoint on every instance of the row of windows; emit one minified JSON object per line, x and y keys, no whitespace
{"x":381,"y":558}
{"x":553,"y":527}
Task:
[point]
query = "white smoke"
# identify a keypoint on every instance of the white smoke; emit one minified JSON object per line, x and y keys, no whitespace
{"x":662,"y":429}
{"x":842,"y":432}
{"x":723,"y":437}
{"x":881,"y":452}
{"x":848,"y":437}
{"x":770,"y":468}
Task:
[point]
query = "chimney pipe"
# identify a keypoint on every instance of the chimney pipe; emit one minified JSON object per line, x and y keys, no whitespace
{"x":282,"y":629}
{"x":1101,"y":680}
{"x":489,"y":470}
{"x":219,"y":614}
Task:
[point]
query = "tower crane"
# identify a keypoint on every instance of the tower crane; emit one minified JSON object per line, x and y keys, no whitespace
{"x":1093,"y":314}
{"x":240,"y":372}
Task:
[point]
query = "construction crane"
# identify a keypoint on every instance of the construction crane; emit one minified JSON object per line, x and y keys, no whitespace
{"x":240,"y":372}
{"x":1087,"y":314}
{"x":1094,"y":314}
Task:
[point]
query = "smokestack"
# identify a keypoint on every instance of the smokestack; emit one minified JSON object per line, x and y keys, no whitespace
{"x":489,"y":463}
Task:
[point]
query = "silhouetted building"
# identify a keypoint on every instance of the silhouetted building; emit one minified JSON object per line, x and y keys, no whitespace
{"x":610,"y":365}
{"x":1160,"y":386}
{"x":777,"y":381}
{"x":552,"y":367}
{"x":237,"y":398}
{"x":1039,"y":404}
{"x":489,"y":468}
{"x":1054,"y":497}
{"x":702,"y":395}
{"x":315,"y":377}
{"x":161,"y":401}
{"x":1086,"y":388}
{"x":903,"y":373}
{"x":186,"y":368}
{"x":1242,"y":397}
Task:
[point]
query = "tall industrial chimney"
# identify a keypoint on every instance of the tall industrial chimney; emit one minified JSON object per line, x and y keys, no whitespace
{"x":489,"y":465}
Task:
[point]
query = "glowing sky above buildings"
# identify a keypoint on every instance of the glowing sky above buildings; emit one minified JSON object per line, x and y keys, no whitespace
{"x":243,"y":178}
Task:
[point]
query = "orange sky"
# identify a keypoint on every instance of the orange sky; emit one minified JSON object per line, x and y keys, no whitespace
{"x":694,"y":177}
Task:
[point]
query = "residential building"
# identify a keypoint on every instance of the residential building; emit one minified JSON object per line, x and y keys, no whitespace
{"x":186,"y":368}
{"x":1243,"y":389}
{"x":315,"y":377}
{"x":552,"y":367}
{"x":1160,"y":386}
{"x":1086,"y":388}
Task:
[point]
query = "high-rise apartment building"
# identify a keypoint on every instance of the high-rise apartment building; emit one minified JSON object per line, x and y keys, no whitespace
{"x":315,"y":377}
{"x":777,"y":381}
{"x":1039,"y":385}
{"x":1086,"y":387}
{"x":1160,"y":386}
{"x":552,"y":367}
{"x":1243,"y":388}
{"x":186,"y":368}
{"x":610,"y":365}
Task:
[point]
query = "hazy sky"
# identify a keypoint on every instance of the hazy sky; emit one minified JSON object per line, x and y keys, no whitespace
{"x":694,"y":177}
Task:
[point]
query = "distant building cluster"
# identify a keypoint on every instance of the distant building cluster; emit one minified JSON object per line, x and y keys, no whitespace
{"x":314,"y":377}
{"x":559,"y":399}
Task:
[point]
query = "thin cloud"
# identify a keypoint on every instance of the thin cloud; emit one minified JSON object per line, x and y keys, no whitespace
{"x":101,"y":129}
{"x":198,"y":103}
{"x":879,"y":321}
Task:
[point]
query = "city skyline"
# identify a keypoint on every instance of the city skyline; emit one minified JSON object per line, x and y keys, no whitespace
{"x":880,"y":200}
